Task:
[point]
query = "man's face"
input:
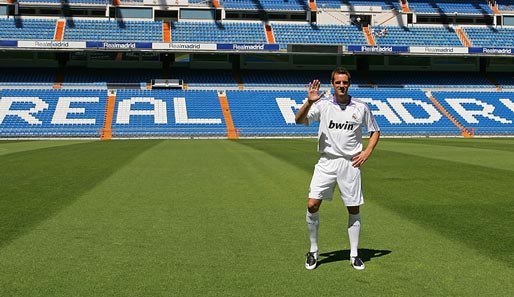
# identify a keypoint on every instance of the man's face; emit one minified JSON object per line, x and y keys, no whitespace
{"x":340,"y":83}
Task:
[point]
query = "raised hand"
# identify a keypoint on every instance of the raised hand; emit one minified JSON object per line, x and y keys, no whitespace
{"x":313,"y":93}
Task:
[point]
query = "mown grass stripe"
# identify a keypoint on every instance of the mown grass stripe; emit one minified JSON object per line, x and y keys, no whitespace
{"x":14,"y":146}
{"x":227,"y":218}
{"x":494,"y":158}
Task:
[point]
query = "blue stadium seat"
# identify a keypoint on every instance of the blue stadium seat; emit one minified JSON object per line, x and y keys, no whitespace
{"x":489,"y":36}
{"x":293,"y":5}
{"x":52,"y":113}
{"x":113,"y":31}
{"x":197,"y":113}
{"x":211,"y":32}
{"x":450,"y":7}
{"x":430,"y":79}
{"x":27,"y":29}
{"x":487,"y":113}
{"x":336,"y":4}
{"x":27,"y":76}
{"x":301,"y":33}
{"x":505,"y":5}
{"x":175,"y":113}
{"x":416,"y":36}
{"x":102,"y":76}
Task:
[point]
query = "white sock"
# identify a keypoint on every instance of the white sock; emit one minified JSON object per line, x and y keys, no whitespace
{"x":354,"y":229}
{"x":312,"y":220}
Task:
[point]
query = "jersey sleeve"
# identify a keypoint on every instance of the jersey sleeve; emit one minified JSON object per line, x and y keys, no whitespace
{"x":314,"y":113}
{"x":369,"y":120}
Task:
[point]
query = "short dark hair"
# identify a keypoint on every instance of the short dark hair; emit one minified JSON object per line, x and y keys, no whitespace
{"x":340,"y":70}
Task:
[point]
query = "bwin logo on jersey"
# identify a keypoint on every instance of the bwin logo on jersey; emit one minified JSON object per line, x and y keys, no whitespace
{"x":345,"y":126}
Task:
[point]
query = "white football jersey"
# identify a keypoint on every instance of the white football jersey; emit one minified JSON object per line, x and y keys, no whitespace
{"x":340,"y":126}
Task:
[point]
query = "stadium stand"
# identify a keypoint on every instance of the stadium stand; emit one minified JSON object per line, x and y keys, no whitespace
{"x":406,"y":112}
{"x":335,"y":4}
{"x":503,"y":79}
{"x":505,"y":5}
{"x":450,"y":7}
{"x":27,"y":76}
{"x":488,"y":113}
{"x":206,"y":77}
{"x":52,"y":113}
{"x":290,"y":78}
{"x":261,"y":112}
{"x":27,"y":29}
{"x":430,"y":79}
{"x":79,"y":2}
{"x":418,"y":36}
{"x":226,"y":32}
{"x":255,"y":113}
{"x":293,"y":5}
{"x":148,"y":113}
{"x":318,"y":34}
{"x":104,"y":76}
{"x":70,"y":88}
{"x":113,"y":30}
{"x":490,"y":37}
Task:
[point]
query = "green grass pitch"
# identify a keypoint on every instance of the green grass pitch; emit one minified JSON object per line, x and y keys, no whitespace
{"x":227,"y":218}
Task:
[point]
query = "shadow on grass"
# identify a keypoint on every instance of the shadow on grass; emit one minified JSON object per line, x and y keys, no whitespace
{"x":37,"y":184}
{"x":344,"y":255}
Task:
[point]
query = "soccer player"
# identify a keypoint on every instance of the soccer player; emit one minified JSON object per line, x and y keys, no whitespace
{"x":341,"y":119}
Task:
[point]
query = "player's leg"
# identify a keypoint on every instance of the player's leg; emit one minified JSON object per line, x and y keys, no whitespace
{"x":354,"y":229}
{"x":321,"y":188}
{"x":350,"y":186}
{"x":312,"y":219}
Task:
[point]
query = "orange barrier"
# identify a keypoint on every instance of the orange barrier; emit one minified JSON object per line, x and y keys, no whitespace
{"x":405,"y":7}
{"x":269,"y":34}
{"x":109,"y":113}
{"x":312,"y":5}
{"x":465,"y":132}
{"x":216,"y":4}
{"x":166,"y":32}
{"x":59,"y":30}
{"x":463,"y":37}
{"x":494,"y":8}
{"x":232,"y":132}
{"x":369,"y":37}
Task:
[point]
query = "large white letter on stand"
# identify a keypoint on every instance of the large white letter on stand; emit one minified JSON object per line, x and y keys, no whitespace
{"x":26,"y":114}
{"x":125,"y":110}
{"x":181,"y":114}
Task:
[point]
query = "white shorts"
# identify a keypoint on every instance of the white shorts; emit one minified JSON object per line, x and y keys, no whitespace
{"x":330,"y":171}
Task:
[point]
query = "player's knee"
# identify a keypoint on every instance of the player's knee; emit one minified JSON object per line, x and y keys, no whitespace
{"x":353,"y":210}
{"x":313,"y":205}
